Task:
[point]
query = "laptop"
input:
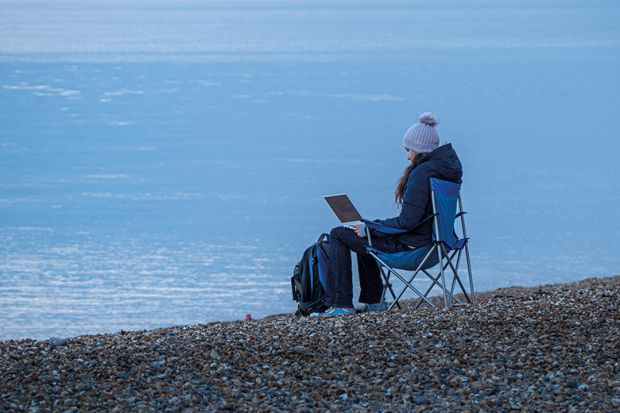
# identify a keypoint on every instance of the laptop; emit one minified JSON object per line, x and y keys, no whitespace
{"x":344,"y":209}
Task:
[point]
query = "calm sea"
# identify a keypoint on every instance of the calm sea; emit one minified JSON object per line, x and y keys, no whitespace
{"x":162,"y":162}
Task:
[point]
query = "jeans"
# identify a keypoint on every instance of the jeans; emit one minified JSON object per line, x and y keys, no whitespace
{"x":339,"y":291}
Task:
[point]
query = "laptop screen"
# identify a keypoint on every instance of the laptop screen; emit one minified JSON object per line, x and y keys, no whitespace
{"x":343,"y":208}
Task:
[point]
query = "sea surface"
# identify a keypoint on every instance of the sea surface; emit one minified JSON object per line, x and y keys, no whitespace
{"x":162,"y":162}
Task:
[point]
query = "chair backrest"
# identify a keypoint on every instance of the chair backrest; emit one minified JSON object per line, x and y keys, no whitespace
{"x":445,"y":196}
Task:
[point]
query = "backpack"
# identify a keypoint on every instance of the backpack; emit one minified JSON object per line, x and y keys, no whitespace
{"x":309,"y":278}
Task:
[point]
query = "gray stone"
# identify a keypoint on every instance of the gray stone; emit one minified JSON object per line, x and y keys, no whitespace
{"x":420,"y":399}
{"x":57,"y":341}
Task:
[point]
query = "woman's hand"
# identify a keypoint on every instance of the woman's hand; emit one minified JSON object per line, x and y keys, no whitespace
{"x":360,"y":230}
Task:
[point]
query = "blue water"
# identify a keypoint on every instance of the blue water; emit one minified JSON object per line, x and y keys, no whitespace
{"x":162,"y":163}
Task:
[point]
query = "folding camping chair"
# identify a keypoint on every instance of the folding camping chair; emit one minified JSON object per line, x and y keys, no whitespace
{"x":446,"y":245}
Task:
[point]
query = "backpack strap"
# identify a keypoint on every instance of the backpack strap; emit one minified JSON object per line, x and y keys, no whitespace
{"x":323,"y":237}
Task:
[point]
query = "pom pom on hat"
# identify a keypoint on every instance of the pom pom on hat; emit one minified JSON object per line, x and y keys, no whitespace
{"x":422,"y":137}
{"x":428,"y":118}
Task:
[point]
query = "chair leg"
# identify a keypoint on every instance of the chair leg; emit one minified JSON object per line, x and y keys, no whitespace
{"x":443,"y":276}
{"x":387,"y":286}
{"x":385,"y":281}
{"x":435,"y":281}
{"x":471,"y":281}
{"x":415,"y":290}
{"x":456,"y":277}
{"x":467,"y":297}
{"x":394,"y":297}
{"x":415,"y":274}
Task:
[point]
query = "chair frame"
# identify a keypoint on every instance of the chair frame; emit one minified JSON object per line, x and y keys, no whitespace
{"x":445,"y":261}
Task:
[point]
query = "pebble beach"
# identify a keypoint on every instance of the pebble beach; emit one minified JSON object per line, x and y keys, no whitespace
{"x":545,"y":348}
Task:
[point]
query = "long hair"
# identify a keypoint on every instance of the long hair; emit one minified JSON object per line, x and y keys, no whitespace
{"x":402,"y":182}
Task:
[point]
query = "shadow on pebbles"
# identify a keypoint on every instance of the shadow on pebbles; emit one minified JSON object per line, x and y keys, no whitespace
{"x":547,"y":348}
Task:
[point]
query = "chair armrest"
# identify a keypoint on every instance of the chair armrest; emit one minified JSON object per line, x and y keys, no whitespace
{"x":392,"y":230}
{"x":383,"y":228}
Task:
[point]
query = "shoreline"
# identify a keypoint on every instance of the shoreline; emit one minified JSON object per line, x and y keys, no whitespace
{"x":548,"y":347}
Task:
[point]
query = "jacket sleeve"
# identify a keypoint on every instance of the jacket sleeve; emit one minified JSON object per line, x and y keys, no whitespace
{"x":415,"y":198}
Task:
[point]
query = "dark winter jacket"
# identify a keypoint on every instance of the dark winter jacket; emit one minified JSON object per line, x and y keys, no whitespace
{"x":442,"y":163}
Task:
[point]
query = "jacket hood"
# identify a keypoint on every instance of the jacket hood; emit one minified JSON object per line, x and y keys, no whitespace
{"x":445,"y":163}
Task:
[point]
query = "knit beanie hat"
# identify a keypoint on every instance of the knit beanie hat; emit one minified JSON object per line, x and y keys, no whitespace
{"x":422,"y":137}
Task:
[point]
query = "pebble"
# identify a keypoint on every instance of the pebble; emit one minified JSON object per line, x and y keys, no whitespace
{"x":419,"y":399}
{"x":57,"y":341}
{"x":516,"y":348}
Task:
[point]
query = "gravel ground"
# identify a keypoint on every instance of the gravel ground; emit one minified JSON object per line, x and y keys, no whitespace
{"x":547,"y":348}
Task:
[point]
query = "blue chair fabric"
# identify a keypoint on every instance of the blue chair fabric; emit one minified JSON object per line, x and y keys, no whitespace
{"x":409,"y":260}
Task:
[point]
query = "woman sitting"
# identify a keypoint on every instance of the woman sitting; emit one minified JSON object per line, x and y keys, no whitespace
{"x":428,"y":160}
